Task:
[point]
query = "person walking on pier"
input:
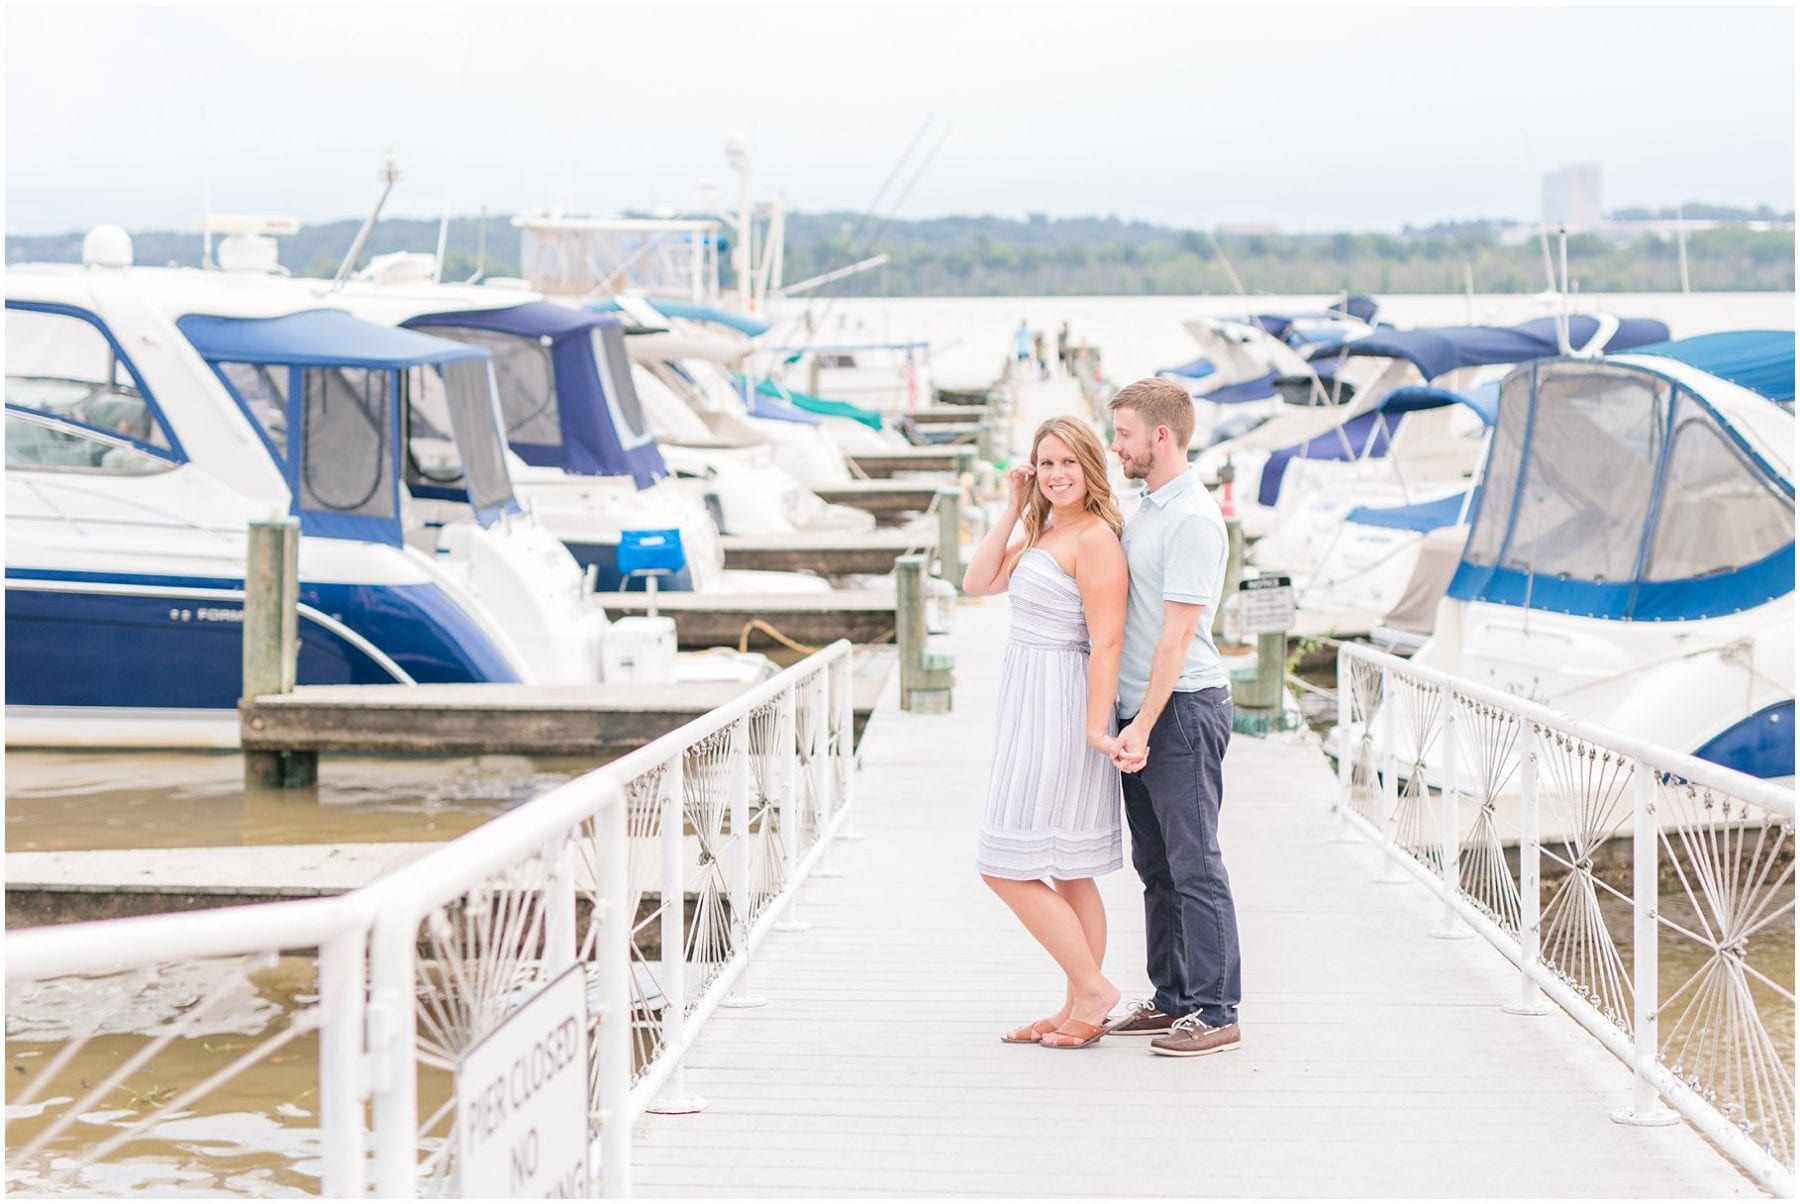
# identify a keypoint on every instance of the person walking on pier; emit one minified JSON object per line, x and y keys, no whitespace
{"x":1174,"y":709}
{"x":1052,"y":823}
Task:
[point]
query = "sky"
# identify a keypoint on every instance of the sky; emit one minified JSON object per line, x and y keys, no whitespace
{"x":1350,"y":117}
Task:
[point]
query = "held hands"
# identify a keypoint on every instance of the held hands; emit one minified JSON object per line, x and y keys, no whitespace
{"x":1019,"y":480}
{"x":1131,"y":750}
{"x":1104,"y":743}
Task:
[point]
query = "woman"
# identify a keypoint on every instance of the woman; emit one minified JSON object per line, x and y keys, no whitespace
{"x":1053,"y":795}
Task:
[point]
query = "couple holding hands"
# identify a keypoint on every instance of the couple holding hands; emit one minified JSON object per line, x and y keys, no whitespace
{"x":1110,"y":683}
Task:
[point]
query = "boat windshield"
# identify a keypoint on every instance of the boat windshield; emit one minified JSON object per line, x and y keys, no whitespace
{"x":35,"y":442}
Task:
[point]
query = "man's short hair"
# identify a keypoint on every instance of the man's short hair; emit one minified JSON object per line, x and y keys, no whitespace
{"x":1160,"y":403}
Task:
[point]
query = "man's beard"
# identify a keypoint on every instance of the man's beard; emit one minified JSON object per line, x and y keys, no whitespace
{"x":1134,"y":469}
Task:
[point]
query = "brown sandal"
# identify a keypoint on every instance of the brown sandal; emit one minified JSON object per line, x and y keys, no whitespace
{"x":1028,"y":1034}
{"x":1079,"y":1034}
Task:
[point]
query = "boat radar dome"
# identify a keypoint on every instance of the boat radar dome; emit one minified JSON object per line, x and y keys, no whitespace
{"x":106,"y":247}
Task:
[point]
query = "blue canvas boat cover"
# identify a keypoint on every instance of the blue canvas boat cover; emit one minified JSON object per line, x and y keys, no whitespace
{"x":1420,"y":516}
{"x":1260,"y":389}
{"x":1360,"y":306}
{"x":1194,"y":369}
{"x":815,"y":405}
{"x":1347,"y":441}
{"x":318,"y":338}
{"x":695,"y":311}
{"x":585,"y":419}
{"x":1759,"y":360}
{"x":1612,"y":495}
{"x":1435,"y":351}
{"x":1483,"y":399}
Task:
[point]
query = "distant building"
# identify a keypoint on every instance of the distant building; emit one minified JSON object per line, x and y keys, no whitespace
{"x":1572,"y":198}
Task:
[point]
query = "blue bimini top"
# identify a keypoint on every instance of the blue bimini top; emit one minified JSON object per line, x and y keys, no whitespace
{"x":1760,"y":360}
{"x":566,"y":392}
{"x":1437,"y":350}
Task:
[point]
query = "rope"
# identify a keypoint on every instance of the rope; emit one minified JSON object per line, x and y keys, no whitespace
{"x":769,"y":630}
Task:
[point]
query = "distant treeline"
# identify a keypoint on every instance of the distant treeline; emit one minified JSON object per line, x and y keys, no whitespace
{"x":1092,"y":256}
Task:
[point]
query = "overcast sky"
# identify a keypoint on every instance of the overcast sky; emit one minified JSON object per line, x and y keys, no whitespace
{"x":1310,"y":119}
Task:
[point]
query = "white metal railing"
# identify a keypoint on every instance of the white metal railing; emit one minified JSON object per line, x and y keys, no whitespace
{"x":1623,"y":851}
{"x":659,"y":874}
{"x":157,"y":1013}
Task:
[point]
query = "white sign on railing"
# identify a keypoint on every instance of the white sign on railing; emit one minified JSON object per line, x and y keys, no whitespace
{"x":521,"y":1100}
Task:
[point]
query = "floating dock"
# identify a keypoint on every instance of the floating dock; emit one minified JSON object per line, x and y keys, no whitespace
{"x":885,"y":498}
{"x":709,"y":620}
{"x":830,"y":554}
{"x":948,"y":459}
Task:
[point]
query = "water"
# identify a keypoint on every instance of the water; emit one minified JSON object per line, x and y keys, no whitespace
{"x":63,"y":801}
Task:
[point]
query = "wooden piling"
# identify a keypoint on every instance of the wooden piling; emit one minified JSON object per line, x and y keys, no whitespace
{"x":1234,"y":572}
{"x":919,"y":670}
{"x":272,"y":643}
{"x":949,"y":549}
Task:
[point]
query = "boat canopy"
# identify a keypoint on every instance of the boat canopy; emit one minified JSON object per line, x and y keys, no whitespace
{"x":1437,"y":350}
{"x":1483,"y":399}
{"x":1368,"y":435}
{"x":1364,"y":437}
{"x":566,"y":393}
{"x":1259,"y":389}
{"x":358,"y":393}
{"x":1194,"y":369}
{"x":1760,"y":360}
{"x":694,"y":311}
{"x":1360,"y":306}
{"x":1618,"y":490}
{"x":1433,"y":515}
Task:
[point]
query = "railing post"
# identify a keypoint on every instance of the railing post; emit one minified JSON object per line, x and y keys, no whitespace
{"x":1390,"y":874}
{"x":1450,"y":928}
{"x":787,"y":786}
{"x":342,"y":981}
{"x":393,"y":1037}
{"x":737,"y":796}
{"x":844,"y":764}
{"x":1346,"y":762}
{"x":612,"y":951}
{"x":559,"y":910}
{"x":819,"y":765}
{"x":674,"y":1098}
{"x":1531,"y":1000}
{"x":1645,"y":1108}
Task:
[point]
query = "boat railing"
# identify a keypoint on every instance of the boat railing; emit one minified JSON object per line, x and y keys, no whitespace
{"x":656,"y":877}
{"x":1588,"y":857}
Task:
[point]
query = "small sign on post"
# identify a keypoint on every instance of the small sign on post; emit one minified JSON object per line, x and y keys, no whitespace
{"x":521,"y":1101}
{"x":1265,"y":605}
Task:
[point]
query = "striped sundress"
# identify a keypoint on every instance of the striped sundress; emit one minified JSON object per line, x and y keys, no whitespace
{"x":1053,"y":802}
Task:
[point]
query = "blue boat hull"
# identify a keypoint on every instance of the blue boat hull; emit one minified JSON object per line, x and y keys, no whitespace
{"x":179,"y":643}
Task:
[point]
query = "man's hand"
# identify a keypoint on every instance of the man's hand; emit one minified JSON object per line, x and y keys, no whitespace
{"x":1132,"y":749}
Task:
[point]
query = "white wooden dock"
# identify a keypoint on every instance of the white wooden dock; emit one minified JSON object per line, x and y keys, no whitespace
{"x":1376,"y":1060}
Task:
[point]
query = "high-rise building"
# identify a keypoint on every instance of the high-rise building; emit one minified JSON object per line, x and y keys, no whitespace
{"x":1572,"y":197}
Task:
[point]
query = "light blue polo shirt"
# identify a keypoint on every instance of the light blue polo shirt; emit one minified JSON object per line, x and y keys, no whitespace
{"x":1175,"y":548}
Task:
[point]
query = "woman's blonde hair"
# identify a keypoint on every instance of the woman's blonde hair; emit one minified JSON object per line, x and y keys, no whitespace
{"x":1091,"y":456}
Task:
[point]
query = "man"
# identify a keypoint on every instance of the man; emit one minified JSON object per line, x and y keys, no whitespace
{"x":1175,"y":711}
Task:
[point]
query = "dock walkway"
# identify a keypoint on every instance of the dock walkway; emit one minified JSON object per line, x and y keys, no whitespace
{"x":1376,"y":1060}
